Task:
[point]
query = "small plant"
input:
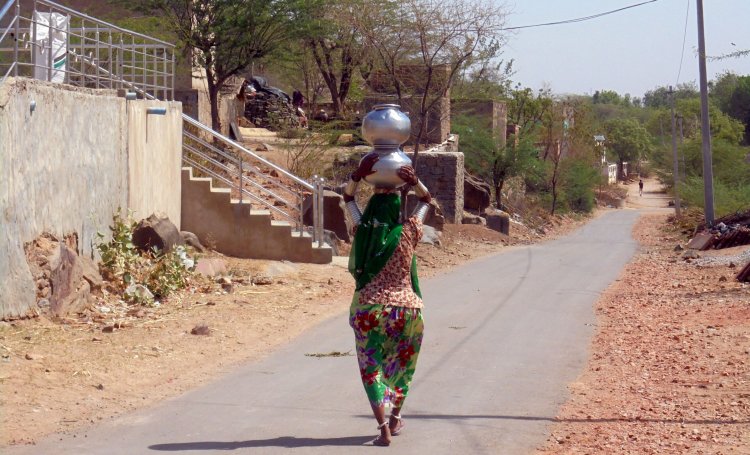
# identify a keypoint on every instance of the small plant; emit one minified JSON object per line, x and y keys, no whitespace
{"x":171,"y":272}
{"x":141,"y":277}
{"x":120,"y":258}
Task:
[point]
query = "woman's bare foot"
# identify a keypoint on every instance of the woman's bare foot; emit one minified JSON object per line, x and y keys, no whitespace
{"x":395,"y":425}
{"x":384,"y":440}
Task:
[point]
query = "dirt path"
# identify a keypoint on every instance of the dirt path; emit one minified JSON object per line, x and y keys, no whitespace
{"x":653,"y":196}
{"x":669,"y":370}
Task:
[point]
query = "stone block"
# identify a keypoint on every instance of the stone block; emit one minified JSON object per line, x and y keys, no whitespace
{"x":499,"y":221}
{"x":476,"y":193}
{"x":334,"y":214}
{"x":702,"y":241}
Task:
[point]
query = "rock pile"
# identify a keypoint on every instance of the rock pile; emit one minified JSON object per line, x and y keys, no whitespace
{"x":266,"y":110}
{"x":65,"y":281}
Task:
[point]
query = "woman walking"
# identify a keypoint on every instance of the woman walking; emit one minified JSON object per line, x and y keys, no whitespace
{"x":386,"y":311}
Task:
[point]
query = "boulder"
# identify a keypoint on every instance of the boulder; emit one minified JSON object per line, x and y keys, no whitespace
{"x":499,"y":221}
{"x":192,"y":240}
{"x":476,"y":193}
{"x":430,"y":236}
{"x":158,"y":232}
{"x":91,"y":273}
{"x":70,"y":291}
{"x":469,"y":218}
{"x":334,"y":214}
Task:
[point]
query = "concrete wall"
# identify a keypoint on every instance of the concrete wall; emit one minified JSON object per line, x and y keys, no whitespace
{"x":154,"y":159}
{"x":64,"y":169}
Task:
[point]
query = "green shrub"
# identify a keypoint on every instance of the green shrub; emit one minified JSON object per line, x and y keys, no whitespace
{"x":141,"y":277}
{"x":579,"y":179}
{"x":727,"y":198}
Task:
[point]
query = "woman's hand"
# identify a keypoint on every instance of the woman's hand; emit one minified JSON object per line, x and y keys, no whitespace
{"x":365,"y":166}
{"x":408,"y":175}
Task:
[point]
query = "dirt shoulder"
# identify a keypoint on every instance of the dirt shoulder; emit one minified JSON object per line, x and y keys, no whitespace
{"x":669,"y":369}
{"x":59,"y":377}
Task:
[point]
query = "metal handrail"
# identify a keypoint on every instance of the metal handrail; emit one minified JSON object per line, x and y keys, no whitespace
{"x":220,"y":165}
{"x":8,"y":5}
{"x":117,"y":54}
{"x":141,"y":67}
{"x":228,"y":182}
{"x":256,"y":157}
{"x":99,"y":21}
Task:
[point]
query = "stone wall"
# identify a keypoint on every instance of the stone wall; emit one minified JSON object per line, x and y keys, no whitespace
{"x":64,"y":167}
{"x":443,"y":174}
{"x":272,"y":112}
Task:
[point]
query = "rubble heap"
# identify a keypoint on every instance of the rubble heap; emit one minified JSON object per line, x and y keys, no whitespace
{"x":267,"y":106}
{"x":729,"y":231}
{"x":275,"y":113}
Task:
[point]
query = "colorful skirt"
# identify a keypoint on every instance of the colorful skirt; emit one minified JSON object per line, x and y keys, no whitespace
{"x":387,"y":339}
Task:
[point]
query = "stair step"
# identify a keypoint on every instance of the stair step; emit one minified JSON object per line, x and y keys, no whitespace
{"x":257,"y":132}
{"x":260,"y":212}
{"x":281,"y":223}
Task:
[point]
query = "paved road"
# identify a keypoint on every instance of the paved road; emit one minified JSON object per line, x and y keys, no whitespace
{"x":504,"y":336}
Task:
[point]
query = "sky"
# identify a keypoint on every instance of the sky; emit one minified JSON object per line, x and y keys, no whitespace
{"x":632,"y":51}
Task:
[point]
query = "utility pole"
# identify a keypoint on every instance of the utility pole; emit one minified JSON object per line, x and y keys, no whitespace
{"x":675,"y":163}
{"x":682,"y":149}
{"x":708,"y":173}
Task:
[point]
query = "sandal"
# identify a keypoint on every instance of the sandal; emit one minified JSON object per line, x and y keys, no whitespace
{"x":400,"y":426}
{"x":379,"y":440}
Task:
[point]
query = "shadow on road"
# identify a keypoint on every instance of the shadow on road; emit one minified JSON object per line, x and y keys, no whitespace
{"x":284,"y":441}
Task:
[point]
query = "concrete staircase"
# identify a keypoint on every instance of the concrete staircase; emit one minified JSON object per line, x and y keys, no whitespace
{"x":235,"y":229}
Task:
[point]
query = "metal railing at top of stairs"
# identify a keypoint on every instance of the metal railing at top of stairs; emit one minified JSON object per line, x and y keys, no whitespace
{"x":77,"y":40}
{"x":102,"y":55}
{"x":215,"y":161}
{"x":273,"y":187}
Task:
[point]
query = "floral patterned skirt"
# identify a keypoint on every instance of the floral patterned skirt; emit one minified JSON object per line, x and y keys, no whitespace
{"x":387,"y":340}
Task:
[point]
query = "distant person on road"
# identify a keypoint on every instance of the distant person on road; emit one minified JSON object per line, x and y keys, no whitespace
{"x":640,"y":187}
{"x":386,"y":311}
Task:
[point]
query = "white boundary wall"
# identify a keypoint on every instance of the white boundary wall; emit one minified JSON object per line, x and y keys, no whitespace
{"x":68,"y":164}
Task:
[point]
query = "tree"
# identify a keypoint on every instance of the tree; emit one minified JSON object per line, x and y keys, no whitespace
{"x":628,"y":139}
{"x":226,"y":36}
{"x":336,"y":42}
{"x":739,"y":104}
{"x":528,"y":109}
{"x":660,"y":98}
{"x":490,"y":159}
{"x":721,"y":89}
{"x":444,"y":37}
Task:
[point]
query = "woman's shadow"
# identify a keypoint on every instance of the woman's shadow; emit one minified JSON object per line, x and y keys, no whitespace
{"x":284,"y":441}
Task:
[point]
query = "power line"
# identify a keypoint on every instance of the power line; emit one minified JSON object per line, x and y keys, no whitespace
{"x":684,"y":36}
{"x":581,"y":19}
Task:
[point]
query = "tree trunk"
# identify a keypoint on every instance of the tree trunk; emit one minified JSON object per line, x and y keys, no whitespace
{"x":326,"y":70}
{"x":499,"y":194}
{"x":554,"y":187}
{"x":213,"y":96}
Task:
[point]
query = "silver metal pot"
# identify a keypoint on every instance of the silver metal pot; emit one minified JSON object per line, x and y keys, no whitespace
{"x":386,"y":128}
